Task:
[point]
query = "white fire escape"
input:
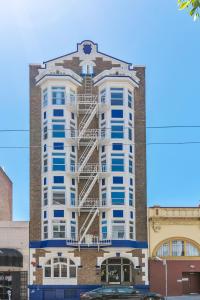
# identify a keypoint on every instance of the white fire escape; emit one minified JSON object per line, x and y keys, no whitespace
{"x":88,"y":139}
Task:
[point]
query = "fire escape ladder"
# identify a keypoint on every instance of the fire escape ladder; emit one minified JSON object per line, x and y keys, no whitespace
{"x":87,"y":189}
{"x":87,"y":223}
{"x":87,"y":154}
{"x":88,"y":117}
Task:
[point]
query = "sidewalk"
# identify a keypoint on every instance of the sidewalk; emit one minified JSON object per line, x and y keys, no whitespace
{"x":188,"y":297}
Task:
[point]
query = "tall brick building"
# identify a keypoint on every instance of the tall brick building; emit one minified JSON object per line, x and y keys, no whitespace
{"x":5,"y":197}
{"x":87,"y":174}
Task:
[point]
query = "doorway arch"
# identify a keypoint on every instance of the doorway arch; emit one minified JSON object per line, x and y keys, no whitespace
{"x":117,"y":270}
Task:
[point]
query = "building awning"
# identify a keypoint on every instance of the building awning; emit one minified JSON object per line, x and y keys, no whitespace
{"x":10,"y":258}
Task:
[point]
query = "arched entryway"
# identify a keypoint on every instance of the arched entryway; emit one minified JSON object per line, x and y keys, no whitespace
{"x":117,"y":270}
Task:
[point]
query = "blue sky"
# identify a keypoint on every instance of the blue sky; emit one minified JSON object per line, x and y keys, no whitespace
{"x":152,"y":33}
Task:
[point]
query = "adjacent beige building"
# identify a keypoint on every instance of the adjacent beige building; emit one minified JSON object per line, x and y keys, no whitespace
{"x":174,"y":250}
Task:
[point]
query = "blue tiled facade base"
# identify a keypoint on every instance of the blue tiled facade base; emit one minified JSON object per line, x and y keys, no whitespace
{"x":63,"y":243}
{"x":66,"y":292}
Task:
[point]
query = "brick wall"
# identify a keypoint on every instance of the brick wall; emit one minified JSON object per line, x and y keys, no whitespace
{"x":5,"y":197}
{"x":35,"y":156}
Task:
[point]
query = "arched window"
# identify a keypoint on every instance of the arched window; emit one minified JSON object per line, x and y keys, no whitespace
{"x":87,"y":67}
{"x":117,"y":270}
{"x":177,"y":247}
{"x":60,"y":267}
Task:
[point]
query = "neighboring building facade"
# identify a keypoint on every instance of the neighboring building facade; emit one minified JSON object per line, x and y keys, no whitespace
{"x":87,"y":174}
{"x":5,"y":196}
{"x":14,"y":250}
{"x":174,"y":238}
{"x":14,"y":259}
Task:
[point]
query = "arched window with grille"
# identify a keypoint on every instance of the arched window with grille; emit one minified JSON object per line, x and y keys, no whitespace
{"x":177,"y":247}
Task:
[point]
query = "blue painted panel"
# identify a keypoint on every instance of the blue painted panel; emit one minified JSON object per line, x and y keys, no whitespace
{"x":115,"y":243}
{"x":69,"y":292}
{"x":58,"y":213}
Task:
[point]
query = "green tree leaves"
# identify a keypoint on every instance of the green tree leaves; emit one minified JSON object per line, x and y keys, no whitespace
{"x":192,"y":5}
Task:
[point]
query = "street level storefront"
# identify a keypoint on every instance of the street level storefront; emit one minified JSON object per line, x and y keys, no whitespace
{"x":13,"y":260}
{"x":174,"y":264}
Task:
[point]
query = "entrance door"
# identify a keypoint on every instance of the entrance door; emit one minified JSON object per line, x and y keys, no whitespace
{"x":191,"y":282}
{"x":195,"y":282}
{"x":114,"y":274}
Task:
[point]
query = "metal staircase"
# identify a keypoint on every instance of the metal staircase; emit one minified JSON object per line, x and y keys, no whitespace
{"x":87,"y":106}
{"x":87,"y":223}
{"x":87,"y":189}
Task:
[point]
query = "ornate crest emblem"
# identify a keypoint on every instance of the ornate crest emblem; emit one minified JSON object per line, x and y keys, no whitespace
{"x":87,"y":48}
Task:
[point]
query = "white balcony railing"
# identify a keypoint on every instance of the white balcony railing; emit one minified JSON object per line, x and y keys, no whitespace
{"x":88,"y":241}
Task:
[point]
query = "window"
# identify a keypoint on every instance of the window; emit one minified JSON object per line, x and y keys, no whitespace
{"x":116,"y":96}
{"x":45,"y":147}
{"x":58,"y":179}
{"x":117,"y":113}
{"x":73,"y":181}
{"x":117,"y":132}
{"x":45,"y":166}
{"x":72,"y":199}
{"x":45,"y":115}
{"x":45,"y":97}
{"x":178,"y":248}
{"x":58,"y":198}
{"x":118,"y":231}
{"x":118,"y":213}
{"x":60,"y":267}
{"x":87,"y":68}
{"x":58,"y":164}
{"x":72,"y":116}
{"x":58,"y":112}
{"x":58,"y":95}
{"x":73,"y":215}
{"x":58,"y":146}
{"x":103,"y":96}
{"x":131,"y":232}
{"x":130,"y":199}
{"x":73,"y":232}
{"x":103,"y":215}
{"x":103,"y":149}
{"x":73,"y":148}
{"x":102,"y":116}
{"x":131,"y":214}
{"x":58,"y":213}
{"x":103,"y":182}
{"x":45,"y":181}
{"x":131,"y":149}
{"x":45,"y":214}
{"x":104,"y":232}
{"x":130,"y":99}
{"x":58,"y":131}
{"x":130,"y":116}
{"x":45,"y":198}
{"x":118,"y":165}
{"x":117,"y":180}
{"x":45,"y":228}
{"x":104,"y":199}
{"x":45,"y":133}
{"x":130,"y":166}
{"x":117,"y":146}
{"x":131,"y":181}
{"x":130,"y":134}
{"x":59,"y":230}
{"x":118,"y":198}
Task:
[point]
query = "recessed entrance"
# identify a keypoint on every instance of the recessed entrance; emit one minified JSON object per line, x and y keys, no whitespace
{"x":191,"y":282}
{"x":117,"y":270}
